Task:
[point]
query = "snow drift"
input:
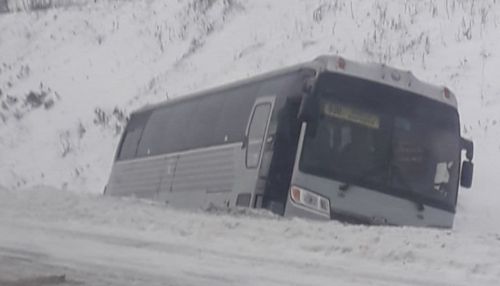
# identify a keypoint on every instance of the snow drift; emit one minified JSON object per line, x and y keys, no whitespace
{"x":107,"y":241}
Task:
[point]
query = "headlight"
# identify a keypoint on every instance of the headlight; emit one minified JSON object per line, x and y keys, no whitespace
{"x":310,"y":200}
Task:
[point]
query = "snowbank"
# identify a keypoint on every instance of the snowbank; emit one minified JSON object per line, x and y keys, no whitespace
{"x":109,"y":241}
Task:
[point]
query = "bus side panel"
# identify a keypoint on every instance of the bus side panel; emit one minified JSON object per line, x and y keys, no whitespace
{"x":167,"y":177}
{"x":204,"y":177}
{"x":140,"y":178}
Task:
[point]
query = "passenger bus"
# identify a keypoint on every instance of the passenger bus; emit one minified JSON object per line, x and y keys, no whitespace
{"x":326,"y":139}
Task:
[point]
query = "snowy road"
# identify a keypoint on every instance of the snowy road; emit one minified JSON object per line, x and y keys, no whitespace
{"x":104,"y":241}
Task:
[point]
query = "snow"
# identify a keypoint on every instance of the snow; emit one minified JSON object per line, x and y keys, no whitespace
{"x":70,"y":75}
{"x":76,"y":233}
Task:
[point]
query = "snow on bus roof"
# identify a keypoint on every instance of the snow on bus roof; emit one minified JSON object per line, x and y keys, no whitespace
{"x":375,"y":72}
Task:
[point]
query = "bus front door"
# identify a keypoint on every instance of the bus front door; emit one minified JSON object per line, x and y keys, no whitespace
{"x":253,"y":145}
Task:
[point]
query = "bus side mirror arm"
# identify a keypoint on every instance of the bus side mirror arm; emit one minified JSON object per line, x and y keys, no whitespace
{"x":309,"y":104}
{"x":309,"y":112}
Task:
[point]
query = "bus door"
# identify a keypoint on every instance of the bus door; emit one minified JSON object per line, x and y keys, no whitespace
{"x":253,"y":145}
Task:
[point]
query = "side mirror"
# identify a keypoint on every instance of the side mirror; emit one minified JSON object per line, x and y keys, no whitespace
{"x":466,"y":175}
{"x":468,"y":146}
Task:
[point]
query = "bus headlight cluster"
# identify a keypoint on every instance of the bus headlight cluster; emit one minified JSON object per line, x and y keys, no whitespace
{"x":310,"y":200}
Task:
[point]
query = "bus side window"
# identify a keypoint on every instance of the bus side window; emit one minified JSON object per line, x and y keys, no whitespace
{"x":166,"y":130}
{"x":132,"y":136}
{"x":153,"y":132}
{"x":203,"y":122}
{"x":233,"y":118}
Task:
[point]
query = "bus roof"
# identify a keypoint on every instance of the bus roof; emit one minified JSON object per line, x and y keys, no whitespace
{"x":387,"y":75}
{"x":375,"y":72}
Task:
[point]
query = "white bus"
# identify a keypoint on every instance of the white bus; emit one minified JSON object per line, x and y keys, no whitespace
{"x":326,"y":139}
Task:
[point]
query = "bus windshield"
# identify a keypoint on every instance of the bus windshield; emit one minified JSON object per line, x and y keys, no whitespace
{"x":386,"y":140}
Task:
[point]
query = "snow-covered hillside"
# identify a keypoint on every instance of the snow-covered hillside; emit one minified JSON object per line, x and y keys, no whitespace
{"x":70,"y":76}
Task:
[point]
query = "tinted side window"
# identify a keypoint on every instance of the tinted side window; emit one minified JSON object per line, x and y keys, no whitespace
{"x":178,"y":127}
{"x":166,"y":130}
{"x":154,"y":133}
{"x":235,"y":113}
{"x":204,"y":120}
{"x":132,"y":136}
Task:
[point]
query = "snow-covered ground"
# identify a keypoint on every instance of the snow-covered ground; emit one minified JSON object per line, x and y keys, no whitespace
{"x":109,"y":241}
{"x":69,"y":76}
